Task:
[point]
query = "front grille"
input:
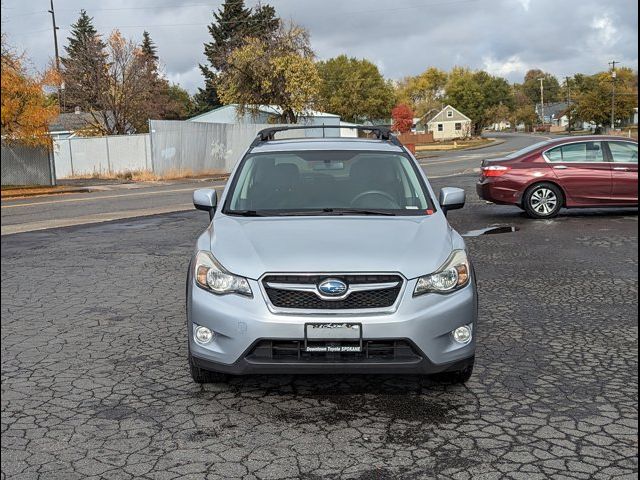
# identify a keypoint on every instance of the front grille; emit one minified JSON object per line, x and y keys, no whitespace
{"x":372,"y":351}
{"x":305,"y":300}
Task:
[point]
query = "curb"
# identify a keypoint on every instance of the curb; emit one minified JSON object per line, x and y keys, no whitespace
{"x":467,"y":149}
{"x":493,"y":143}
{"x":42,"y":194}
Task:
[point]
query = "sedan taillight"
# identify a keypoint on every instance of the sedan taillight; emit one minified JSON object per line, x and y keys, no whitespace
{"x":495,"y":170}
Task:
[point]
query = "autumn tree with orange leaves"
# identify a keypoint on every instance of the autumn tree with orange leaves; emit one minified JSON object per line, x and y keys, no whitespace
{"x":26,"y":110}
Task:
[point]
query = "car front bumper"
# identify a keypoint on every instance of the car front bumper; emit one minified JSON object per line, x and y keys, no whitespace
{"x":240,"y":323}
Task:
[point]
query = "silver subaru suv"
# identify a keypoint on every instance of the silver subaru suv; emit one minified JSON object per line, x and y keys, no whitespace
{"x":330,"y":255}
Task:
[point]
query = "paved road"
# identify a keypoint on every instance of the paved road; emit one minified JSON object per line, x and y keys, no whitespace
{"x":95,"y":381}
{"x":467,"y":161}
{"x":134,"y":200}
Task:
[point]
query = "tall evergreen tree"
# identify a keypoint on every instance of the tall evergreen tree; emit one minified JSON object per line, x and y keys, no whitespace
{"x":148,"y":47}
{"x":84,"y":65}
{"x":81,"y":33}
{"x":231,"y":25}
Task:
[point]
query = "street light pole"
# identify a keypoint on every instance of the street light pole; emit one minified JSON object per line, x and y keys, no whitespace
{"x":568,"y":85}
{"x":613,"y":93}
{"x":541,"y":80}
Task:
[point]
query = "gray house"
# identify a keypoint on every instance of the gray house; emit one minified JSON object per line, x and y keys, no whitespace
{"x":449,"y":124}
{"x":83,"y":124}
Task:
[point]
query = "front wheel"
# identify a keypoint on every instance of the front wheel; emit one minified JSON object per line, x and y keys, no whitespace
{"x":543,"y":200}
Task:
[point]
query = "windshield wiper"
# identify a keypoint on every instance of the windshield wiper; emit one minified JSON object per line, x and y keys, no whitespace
{"x":335,"y":211}
{"x":360,"y":211}
{"x":245,"y":213}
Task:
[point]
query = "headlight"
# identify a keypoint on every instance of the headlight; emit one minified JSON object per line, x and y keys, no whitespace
{"x":453,"y":275}
{"x":211,"y":276}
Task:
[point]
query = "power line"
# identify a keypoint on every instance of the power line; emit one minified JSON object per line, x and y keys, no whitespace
{"x":353,"y":12}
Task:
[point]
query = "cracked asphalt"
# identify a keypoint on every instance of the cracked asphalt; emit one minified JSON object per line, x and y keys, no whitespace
{"x":95,"y":381}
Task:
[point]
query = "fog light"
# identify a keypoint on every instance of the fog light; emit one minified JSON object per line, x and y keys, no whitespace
{"x":462,"y":334}
{"x":202,"y":335}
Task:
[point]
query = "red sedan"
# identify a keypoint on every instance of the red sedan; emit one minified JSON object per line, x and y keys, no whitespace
{"x":566,"y":172}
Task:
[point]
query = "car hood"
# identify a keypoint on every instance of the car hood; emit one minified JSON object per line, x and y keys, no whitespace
{"x":251,"y":247}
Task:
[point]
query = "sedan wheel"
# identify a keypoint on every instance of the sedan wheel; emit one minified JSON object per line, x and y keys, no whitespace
{"x":543,"y":201}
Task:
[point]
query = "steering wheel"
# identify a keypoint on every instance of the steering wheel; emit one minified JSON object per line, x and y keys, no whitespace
{"x":379,"y":193}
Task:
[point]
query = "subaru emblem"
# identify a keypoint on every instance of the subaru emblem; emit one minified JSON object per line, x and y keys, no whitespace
{"x":332,"y":287}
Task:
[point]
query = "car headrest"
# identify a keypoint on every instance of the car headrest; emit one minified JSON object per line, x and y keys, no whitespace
{"x":264,"y":168}
{"x":286,"y":174}
{"x":372,"y":168}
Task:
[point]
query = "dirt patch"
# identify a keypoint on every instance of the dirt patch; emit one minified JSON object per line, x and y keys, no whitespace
{"x":16,"y":192}
{"x":148,"y":176}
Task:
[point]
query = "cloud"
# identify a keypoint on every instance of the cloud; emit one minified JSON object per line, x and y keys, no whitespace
{"x":505,"y":68}
{"x":403,"y":37}
{"x":605,"y":29}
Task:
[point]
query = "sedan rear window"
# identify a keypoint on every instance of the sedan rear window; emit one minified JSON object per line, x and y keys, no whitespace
{"x":528,"y":149}
{"x":326,"y":183}
{"x":582,"y":152}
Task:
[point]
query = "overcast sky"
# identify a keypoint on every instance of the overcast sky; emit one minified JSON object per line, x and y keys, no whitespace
{"x":403,"y":37}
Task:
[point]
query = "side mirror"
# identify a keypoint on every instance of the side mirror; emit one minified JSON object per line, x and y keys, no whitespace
{"x":452,"y":199}
{"x":206,"y":199}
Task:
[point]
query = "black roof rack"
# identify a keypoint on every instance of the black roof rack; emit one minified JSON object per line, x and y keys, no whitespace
{"x":382,"y":133}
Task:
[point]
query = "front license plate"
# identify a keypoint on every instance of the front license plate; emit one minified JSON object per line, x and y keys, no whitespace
{"x":333,"y":337}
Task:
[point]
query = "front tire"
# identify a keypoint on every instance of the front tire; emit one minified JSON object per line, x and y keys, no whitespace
{"x":543,"y":200}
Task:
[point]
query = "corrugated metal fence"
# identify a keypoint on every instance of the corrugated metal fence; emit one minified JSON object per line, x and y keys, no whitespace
{"x":172,"y":147}
{"x":25,"y":165}
{"x":83,"y":156}
{"x":198,"y":147}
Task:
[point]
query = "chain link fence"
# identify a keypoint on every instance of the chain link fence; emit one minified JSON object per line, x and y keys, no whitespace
{"x":26,"y":165}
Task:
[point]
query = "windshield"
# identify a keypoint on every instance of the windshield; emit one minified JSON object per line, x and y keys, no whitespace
{"x":528,"y":149}
{"x":327,"y":183}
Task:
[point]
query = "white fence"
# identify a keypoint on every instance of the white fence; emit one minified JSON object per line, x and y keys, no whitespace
{"x":100,"y":155}
{"x":172,"y":147}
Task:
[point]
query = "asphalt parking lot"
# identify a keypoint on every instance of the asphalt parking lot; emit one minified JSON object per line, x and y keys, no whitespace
{"x":95,"y":381}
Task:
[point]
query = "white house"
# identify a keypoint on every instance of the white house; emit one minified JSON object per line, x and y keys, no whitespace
{"x":268,"y":114}
{"x":449,"y":124}
{"x":501,"y":126}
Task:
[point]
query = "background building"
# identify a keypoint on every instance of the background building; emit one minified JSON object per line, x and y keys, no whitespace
{"x":449,"y":124}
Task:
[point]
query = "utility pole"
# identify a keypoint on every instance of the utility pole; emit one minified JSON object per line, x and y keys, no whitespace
{"x":541,"y":80}
{"x":55,"y":45}
{"x":569,"y":107}
{"x":613,"y":93}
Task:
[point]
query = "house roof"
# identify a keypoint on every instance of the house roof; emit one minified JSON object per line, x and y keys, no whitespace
{"x":442,"y":117}
{"x":269,"y":110}
{"x":72,"y":122}
{"x":554,"y":110}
